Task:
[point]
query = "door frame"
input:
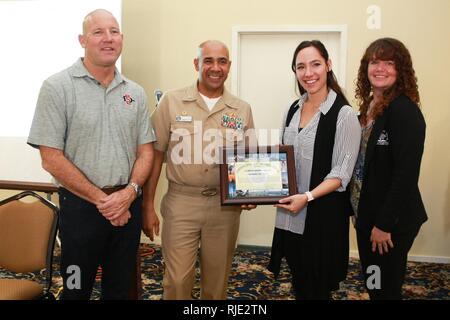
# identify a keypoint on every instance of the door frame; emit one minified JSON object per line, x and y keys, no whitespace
{"x":239,"y":31}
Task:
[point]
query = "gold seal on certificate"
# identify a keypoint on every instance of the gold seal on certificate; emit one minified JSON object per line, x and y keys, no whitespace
{"x":261,"y":176}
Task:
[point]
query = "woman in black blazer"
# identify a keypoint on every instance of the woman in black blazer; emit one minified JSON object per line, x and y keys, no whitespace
{"x":384,"y":190}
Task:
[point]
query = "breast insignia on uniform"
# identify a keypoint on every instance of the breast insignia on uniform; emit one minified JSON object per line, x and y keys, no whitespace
{"x":232,"y":121}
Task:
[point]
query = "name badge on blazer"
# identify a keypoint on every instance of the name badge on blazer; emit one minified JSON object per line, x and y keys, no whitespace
{"x":383,"y":139}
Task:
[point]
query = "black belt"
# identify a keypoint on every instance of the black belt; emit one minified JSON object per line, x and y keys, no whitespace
{"x":109,"y":190}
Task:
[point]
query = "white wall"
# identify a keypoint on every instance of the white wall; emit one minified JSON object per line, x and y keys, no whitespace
{"x":39,"y":38}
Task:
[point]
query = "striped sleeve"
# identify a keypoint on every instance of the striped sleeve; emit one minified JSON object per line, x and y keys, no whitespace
{"x":346,"y":146}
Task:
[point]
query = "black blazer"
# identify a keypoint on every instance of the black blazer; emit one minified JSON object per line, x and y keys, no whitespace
{"x":390,"y":197}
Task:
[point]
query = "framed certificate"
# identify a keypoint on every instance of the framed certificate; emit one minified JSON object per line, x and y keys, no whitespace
{"x":260,"y":175}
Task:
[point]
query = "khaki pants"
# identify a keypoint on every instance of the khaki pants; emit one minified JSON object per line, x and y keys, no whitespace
{"x":192,"y":219}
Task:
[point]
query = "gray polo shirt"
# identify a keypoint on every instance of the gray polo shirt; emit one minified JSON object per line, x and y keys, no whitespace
{"x":99,"y":129}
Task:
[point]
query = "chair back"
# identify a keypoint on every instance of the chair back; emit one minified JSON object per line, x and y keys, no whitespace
{"x":27,"y":233}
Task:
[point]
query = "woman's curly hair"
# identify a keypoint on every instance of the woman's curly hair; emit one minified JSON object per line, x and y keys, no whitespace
{"x":387,"y":49}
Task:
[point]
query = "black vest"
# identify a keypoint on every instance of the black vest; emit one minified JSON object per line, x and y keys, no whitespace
{"x":324,"y":143}
{"x":327,"y":221}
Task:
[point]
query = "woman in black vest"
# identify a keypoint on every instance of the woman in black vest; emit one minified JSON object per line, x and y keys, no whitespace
{"x":384,"y":189}
{"x":311,"y":228}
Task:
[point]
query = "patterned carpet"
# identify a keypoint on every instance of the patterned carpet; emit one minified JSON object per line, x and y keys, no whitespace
{"x":251,"y":281}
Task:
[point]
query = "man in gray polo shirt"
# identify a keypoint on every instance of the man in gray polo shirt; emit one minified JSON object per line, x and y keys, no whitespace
{"x":92,"y":128}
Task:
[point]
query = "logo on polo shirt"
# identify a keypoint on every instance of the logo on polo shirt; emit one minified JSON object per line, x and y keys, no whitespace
{"x":128,"y":99}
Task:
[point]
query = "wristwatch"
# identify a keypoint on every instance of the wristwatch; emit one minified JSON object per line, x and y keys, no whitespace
{"x":137,"y":188}
{"x":309,"y":196}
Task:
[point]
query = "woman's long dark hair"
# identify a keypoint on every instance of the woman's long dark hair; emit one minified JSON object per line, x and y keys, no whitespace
{"x":386,"y":49}
{"x":331,"y":78}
